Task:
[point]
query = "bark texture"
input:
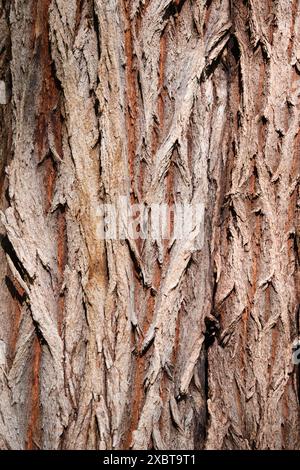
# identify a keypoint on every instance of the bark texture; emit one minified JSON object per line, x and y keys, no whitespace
{"x":121,"y":344}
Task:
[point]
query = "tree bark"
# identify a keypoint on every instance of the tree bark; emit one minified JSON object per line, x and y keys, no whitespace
{"x":117,"y":344}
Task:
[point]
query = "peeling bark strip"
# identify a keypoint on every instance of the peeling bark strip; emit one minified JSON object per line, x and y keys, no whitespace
{"x":111,"y":344}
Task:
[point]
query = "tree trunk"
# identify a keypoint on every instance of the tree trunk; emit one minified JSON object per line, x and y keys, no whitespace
{"x":118,"y":344}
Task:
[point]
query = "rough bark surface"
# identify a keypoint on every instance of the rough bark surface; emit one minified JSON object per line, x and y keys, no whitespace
{"x":119,"y":344}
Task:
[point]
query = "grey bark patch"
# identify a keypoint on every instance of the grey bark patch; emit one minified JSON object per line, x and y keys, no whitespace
{"x":3,"y":92}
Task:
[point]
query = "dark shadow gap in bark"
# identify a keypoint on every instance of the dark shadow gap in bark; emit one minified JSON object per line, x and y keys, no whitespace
{"x":14,"y":292}
{"x":201,"y":413}
{"x":136,"y":263}
{"x":173,"y":9}
{"x":10,"y":251}
{"x":97,"y":31}
{"x":212,"y":333}
{"x":210,"y":68}
{"x":54,"y":74}
{"x":206,"y":386}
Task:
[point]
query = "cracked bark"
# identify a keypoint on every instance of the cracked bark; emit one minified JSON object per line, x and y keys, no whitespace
{"x":105,"y":344}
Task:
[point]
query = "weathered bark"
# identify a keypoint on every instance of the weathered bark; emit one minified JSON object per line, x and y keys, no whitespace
{"x":118,"y":344}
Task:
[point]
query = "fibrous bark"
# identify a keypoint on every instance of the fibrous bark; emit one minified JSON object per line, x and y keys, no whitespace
{"x":118,"y":344}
